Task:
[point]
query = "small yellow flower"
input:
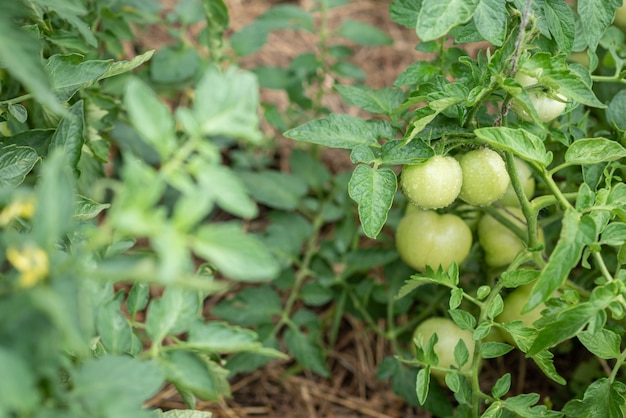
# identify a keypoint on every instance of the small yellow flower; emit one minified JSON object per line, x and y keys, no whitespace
{"x":23,"y":208}
{"x":31,"y":262}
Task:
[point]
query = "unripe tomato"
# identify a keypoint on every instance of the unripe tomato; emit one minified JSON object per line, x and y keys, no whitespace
{"x":485,"y":178}
{"x":547,"y":108}
{"x":514,"y":302}
{"x":499,"y":243}
{"x":434,"y":184}
{"x":448,"y":334}
{"x":425,"y":238}
{"x":528,"y":184}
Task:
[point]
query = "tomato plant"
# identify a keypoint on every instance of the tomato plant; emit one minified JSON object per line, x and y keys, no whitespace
{"x":485,"y":178}
{"x":425,"y":238}
{"x":569,"y":131}
{"x":434,"y":184}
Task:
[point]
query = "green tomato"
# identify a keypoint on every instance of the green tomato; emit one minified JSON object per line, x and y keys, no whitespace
{"x":448,"y":336}
{"x":547,"y":108}
{"x":485,"y":178}
{"x":514,"y":302}
{"x":425,"y":238}
{"x":499,"y":243}
{"x":434,"y":184}
{"x":528,"y":184}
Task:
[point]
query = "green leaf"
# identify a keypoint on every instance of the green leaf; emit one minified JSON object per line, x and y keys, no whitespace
{"x":569,"y":322}
{"x":491,"y":19}
{"x":150,"y":117}
{"x":405,"y":12}
{"x":244,"y":308}
{"x":113,"y":327}
{"x":518,"y":141}
{"x":274,"y":188}
{"x":602,"y":399}
{"x":113,"y":386}
{"x":228,"y":189}
{"x":398,"y":152}
{"x":576,"y":233}
{"x":121,"y":67}
{"x":86,"y":208}
{"x":593,"y":151}
{"x":15,"y":163}
{"x":516,"y":278}
{"x":138,"y":297}
{"x":19,"y":393}
{"x":171,"y":314}
{"x":307,"y":351}
{"x":438,"y":17}
{"x":463,"y":319}
{"x":373,"y":190}
{"x":614,"y":234}
{"x":337,"y":131}
{"x":461,"y":353}
{"x":69,"y":73}
{"x":522,"y":406}
{"x":24,"y":62}
{"x":380,"y":101}
{"x":227,"y":104}
{"x":237,"y":255}
{"x":493,"y":349}
{"x":416,"y":74}
{"x":363,"y":34}
{"x":603,"y":343}
{"x":616,"y":111}
{"x":422,"y":384}
{"x":174,"y":64}
{"x":502,"y":386}
{"x":19,"y":112}
{"x":596,"y":16}
{"x":543,"y":360}
{"x":69,"y":136}
{"x":221,"y":338}
{"x":560,"y":19}
{"x":55,"y":197}
{"x":195,"y":373}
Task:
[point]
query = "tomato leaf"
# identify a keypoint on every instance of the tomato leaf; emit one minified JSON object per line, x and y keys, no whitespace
{"x":522,"y":406}
{"x":400,"y":152}
{"x":520,"y":142}
{"x":502,"y":386}
{"x":193,"y":372}
{"x":336,"y":131}
{"x":543,"y":360}
{"x":593,"y":151}
{"x":373,"y":190}
{"x":560,"y":20}
{"x":491,"y":19}
{"x":422,"y":384}
{"x":363,"y":33}
{"x":307,"y":351}
{"x":461,"y":353}
{"x":405,"y":12}
{"x":493,"y":349}
{"x":437,"y":17}
{"x":602,"y":399}
{"x":15,"y":163}
{"x":598,"y":15}
{"x":238,"y":255}
{"x":603,"y":343}
{"x":69,"y":135}
{"x":463,"y":319}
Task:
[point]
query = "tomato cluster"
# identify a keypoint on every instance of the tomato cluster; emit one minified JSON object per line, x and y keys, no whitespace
{"x":425,"y":237}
